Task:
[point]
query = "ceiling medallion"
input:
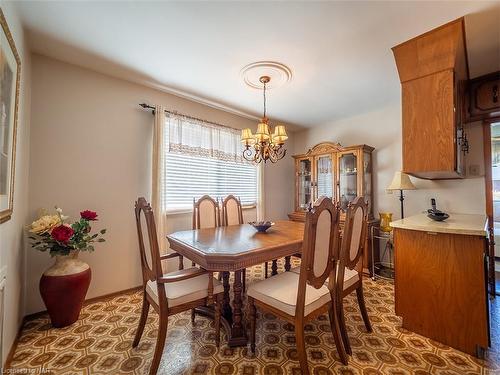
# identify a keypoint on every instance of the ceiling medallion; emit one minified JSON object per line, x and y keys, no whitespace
{"x":279,"y":74}
{"x":264,"y":145}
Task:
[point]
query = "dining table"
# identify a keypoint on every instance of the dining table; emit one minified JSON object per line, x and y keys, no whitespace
{"x":233,"y":248}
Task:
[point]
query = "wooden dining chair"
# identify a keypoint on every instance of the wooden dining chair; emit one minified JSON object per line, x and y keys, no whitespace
{"x":300,"y":297}
{"x":173,"y":292}
{"x":206,"y":212}
{"x":350,"y":270}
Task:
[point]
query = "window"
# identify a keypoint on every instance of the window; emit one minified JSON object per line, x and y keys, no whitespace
{"x":204,"y":159}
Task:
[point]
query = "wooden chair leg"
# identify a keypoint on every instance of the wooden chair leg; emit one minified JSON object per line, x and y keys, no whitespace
{"x":253,"y":318}
{"x":362,"y":308}
{"x":244,"y":279}
{"x":218,"y":307}
{"x":301,"y":348}
{"x":160,"y":344}
{"x":142,"y":321}
{"x":335,"y":327}
{"x":266,"y":267}
{"x":343,"y":327}
{"x":193,"y":314}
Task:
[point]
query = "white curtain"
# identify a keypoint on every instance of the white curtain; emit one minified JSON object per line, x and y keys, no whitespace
{"x":159,"y":171}
{"x":198,"y":138}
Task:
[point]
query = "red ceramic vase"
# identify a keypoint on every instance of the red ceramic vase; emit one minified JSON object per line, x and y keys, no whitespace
{"x":63,"y":288}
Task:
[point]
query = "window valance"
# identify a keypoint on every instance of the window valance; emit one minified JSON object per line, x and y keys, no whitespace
{"x":202,"y":139}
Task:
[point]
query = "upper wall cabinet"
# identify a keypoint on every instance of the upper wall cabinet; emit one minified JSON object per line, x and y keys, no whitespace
{"x":433,"y":71}
{"x":484,"y":97}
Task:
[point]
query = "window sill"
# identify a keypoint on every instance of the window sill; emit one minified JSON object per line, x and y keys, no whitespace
{"x":182,"y":211}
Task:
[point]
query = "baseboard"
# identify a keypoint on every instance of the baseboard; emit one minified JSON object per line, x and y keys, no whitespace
{"x":12,"y":350}
{"x":36,"y":315}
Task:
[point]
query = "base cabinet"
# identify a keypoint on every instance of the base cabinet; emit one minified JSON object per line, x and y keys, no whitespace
{"x":440,"y":287}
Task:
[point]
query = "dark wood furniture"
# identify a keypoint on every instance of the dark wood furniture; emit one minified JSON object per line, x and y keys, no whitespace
{"x":484,"y":97}
{"x":231,"y":249}
{"x":440,"y":287}
{"x":433,"y":71}
{"x":298,"y":298}
{"x":350,"y":270}
{"x":173,"y":292}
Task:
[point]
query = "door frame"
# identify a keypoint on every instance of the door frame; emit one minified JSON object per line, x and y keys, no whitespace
{"x":488,"y":186}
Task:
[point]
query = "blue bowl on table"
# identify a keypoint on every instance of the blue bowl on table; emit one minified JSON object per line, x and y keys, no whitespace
{"x":261,"y":226}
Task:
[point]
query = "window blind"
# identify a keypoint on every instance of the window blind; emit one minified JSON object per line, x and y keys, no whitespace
{"x":189,"y":177}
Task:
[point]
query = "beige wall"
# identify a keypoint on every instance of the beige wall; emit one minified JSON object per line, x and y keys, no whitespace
{"x":91,"y":149}
{"x":382,"y":130}
{"x":12,"y":231}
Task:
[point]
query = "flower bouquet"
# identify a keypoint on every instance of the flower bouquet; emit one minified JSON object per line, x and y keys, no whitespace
{"x":52,"y":233}
{"x":64,"y":285}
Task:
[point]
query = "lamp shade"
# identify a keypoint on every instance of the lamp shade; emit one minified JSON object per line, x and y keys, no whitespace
{"x":280,"y":135}
{"x":262,"y":132}
{"x":401,"y":181}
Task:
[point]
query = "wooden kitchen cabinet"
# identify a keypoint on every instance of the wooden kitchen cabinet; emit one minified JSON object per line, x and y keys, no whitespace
{"x":433,"y":71}
{"x":440,"y":280}
{"x":484,"y":97}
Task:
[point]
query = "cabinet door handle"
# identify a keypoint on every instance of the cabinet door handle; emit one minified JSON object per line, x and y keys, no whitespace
{"x":495,"y":94}
{"x":432,"y":233}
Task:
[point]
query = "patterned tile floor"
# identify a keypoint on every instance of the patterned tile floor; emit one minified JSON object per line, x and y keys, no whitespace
{"x":100,"y":343}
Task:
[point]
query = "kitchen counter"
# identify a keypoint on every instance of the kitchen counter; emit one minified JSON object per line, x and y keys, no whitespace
{"x":467,"y":224}
{"x":440,"y":279}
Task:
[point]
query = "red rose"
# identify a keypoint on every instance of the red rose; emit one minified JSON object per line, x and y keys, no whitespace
{"x":62,"y":233}
{"x":88,"y":215}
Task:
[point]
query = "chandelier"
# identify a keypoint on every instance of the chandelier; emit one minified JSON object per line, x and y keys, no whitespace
{"x":264,"y":145}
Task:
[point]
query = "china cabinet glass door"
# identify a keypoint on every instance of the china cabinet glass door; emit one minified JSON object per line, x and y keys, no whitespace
{"x":324,"y":176}
{"x":304,"y":184}
{"x":348,"y":178}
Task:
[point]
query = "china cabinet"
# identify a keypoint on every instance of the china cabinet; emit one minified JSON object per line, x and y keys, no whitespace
{"x":328,"y":169}
{"x":342,"y":173}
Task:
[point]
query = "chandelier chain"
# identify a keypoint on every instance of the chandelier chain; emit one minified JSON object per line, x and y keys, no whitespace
{"x":264,"y":99}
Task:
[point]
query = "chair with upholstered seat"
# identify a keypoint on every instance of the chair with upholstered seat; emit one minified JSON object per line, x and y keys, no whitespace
{"x":206,"y":213}
{"x":351,"y":262}
{"x":301,"y":297}
{"x":173,"y":292}
{"x":350,"y":270}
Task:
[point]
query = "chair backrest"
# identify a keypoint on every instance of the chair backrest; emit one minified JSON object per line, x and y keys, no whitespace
{"x":319,"y":249}
{"x":232,"y":213}
{"x":205,"y":213}
{"x":148,"y":241}
{"x":354,"y":237}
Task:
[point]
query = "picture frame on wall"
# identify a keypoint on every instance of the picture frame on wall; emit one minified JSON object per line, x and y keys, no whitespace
{"x":10,"y":78}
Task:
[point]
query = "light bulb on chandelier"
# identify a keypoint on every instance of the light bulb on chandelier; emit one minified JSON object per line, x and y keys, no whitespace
{"x":264,"y":145}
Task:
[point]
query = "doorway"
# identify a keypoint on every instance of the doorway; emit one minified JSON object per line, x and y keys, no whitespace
{"x":491,"y":136}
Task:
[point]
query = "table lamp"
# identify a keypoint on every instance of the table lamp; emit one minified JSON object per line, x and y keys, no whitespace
{"x":401,"y":181}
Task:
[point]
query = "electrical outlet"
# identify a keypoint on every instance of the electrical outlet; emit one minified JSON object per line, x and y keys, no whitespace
{"x":474,"y":170}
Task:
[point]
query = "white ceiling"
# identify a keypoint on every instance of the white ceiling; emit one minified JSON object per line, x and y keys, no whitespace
{"x":339,"y":52}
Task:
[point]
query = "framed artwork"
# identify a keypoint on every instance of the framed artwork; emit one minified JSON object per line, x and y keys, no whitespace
{"x":10,"y":76}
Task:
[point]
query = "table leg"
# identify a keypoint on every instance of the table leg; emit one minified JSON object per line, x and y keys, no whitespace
{"x":238,"y":335}
{"x":226,"y":306}
{"x":274,"y":268}
{"x":288,"y":263}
